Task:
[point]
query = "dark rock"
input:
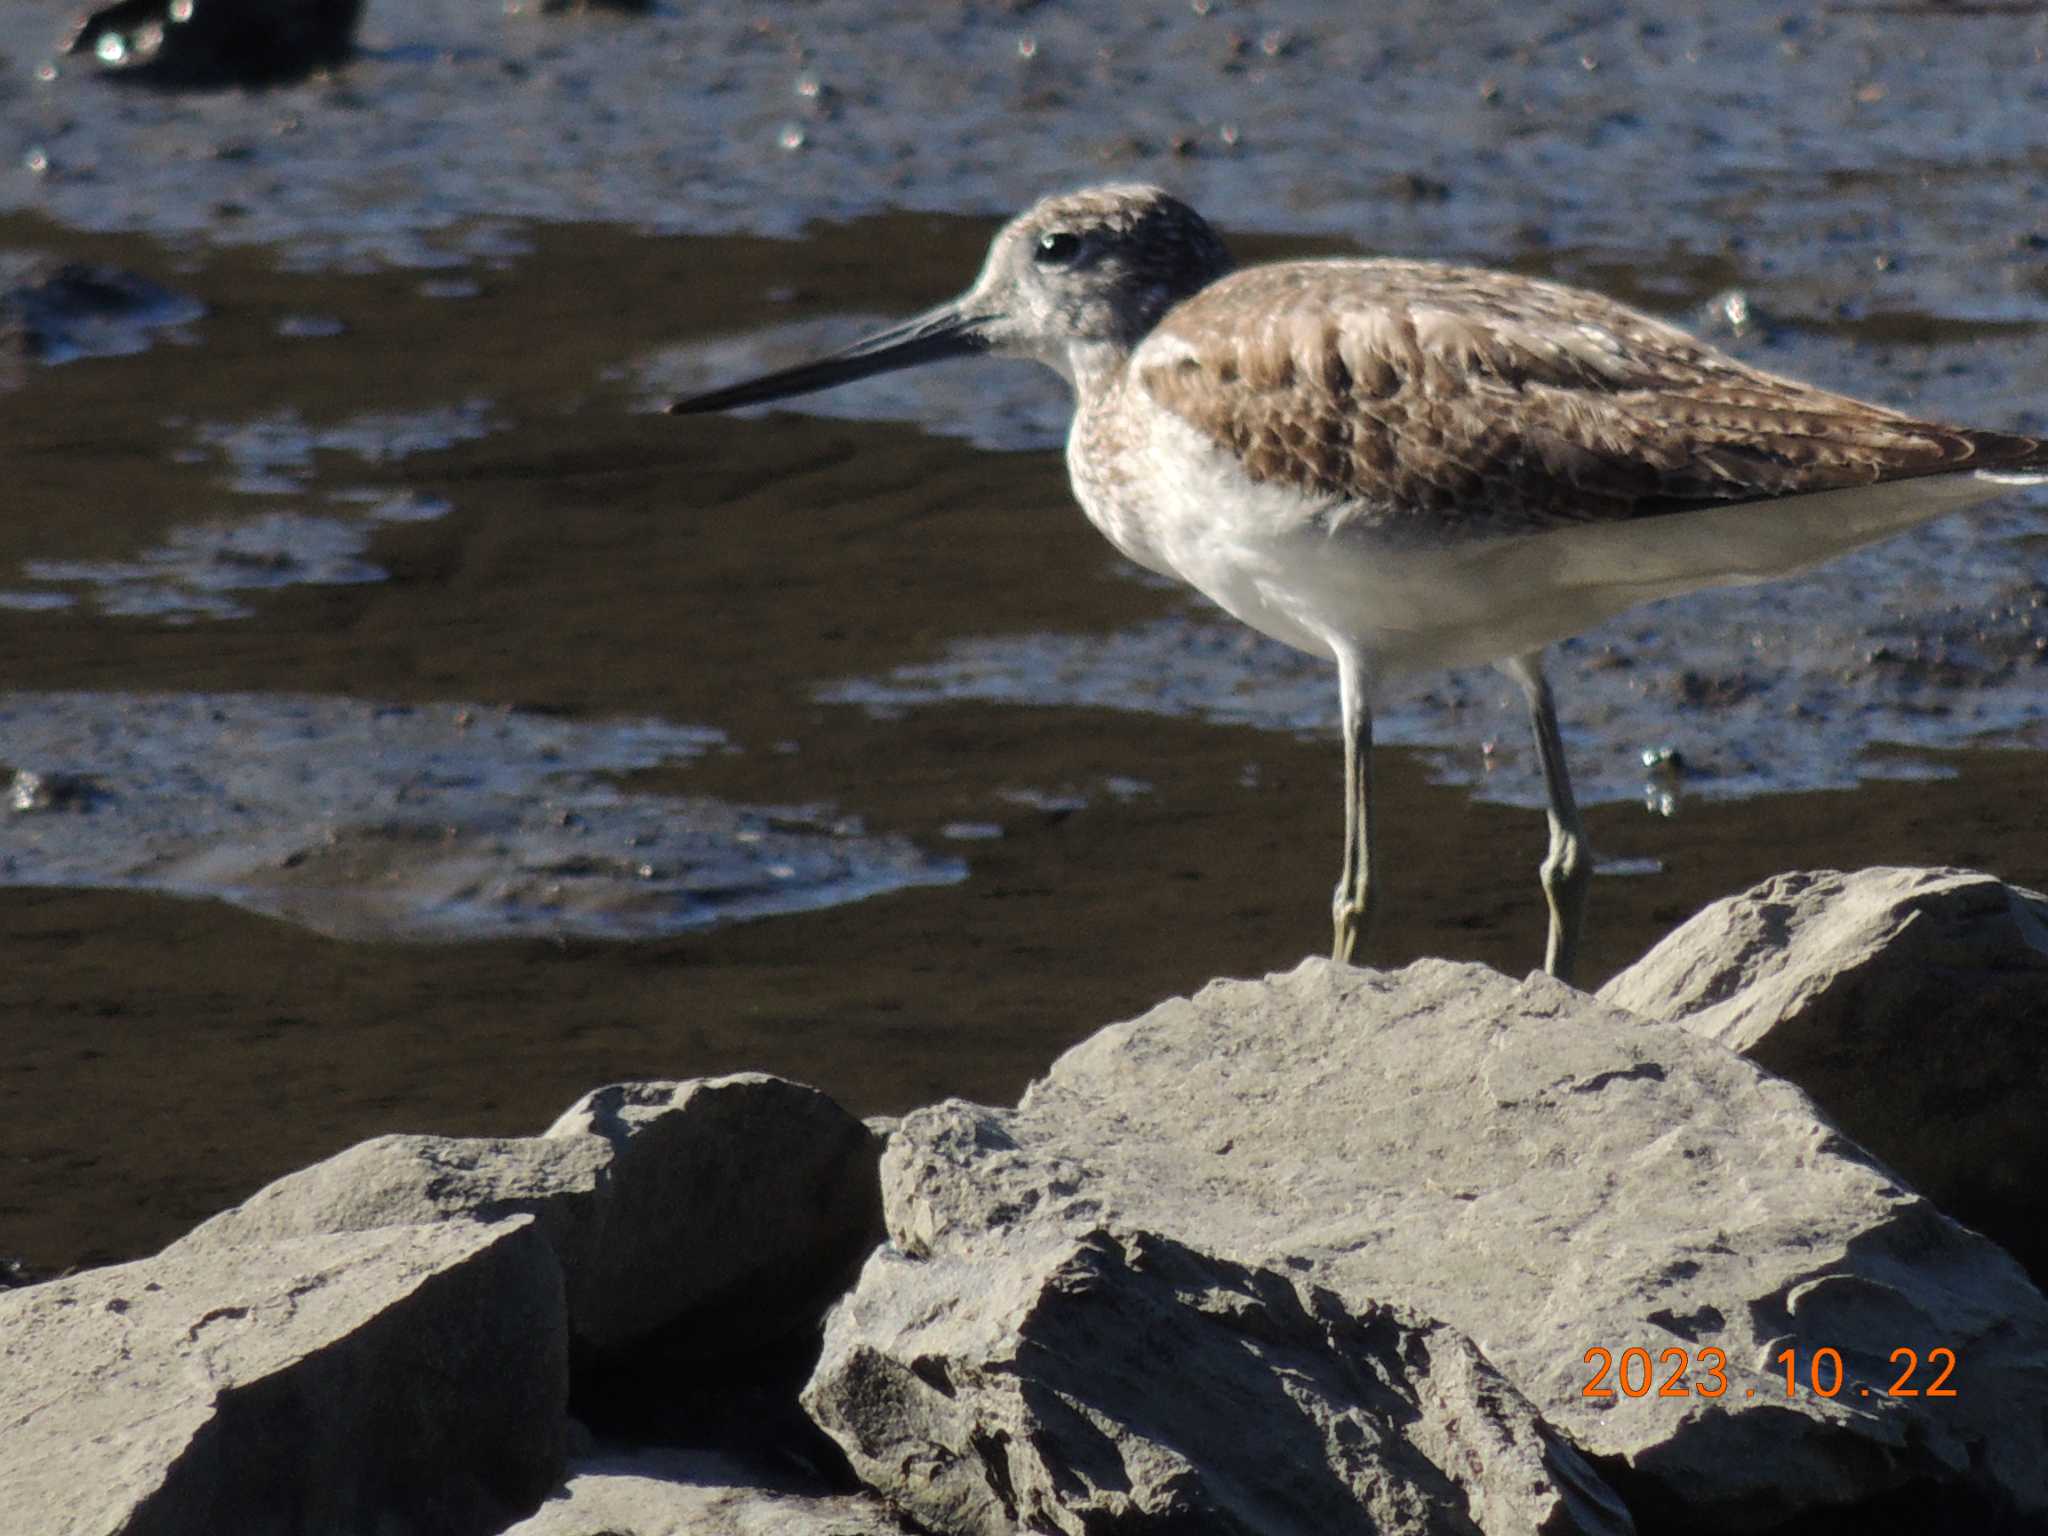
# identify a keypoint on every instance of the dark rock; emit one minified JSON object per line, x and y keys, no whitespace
{"x":30,"y":793}
{"x":217,"y":42}
{"x":560,"y":7}
{"x":54,"y":313}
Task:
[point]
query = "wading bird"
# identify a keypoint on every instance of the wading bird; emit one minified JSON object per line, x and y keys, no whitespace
{"x":1403,"y":464}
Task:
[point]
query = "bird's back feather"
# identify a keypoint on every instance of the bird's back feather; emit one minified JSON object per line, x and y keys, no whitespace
{"x":1450,"y":402}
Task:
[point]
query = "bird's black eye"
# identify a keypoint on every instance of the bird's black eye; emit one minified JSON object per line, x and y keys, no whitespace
{"x":1057,"y":248}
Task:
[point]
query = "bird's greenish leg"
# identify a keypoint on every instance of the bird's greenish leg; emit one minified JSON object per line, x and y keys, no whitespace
{"x":1567,"y":870}
{"x":1357,"y":893}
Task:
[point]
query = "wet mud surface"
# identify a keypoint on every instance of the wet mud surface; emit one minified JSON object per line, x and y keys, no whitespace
{"x":404,"y":727}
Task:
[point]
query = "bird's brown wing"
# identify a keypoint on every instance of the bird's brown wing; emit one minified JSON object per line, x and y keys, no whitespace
{"x":1443,"y":401}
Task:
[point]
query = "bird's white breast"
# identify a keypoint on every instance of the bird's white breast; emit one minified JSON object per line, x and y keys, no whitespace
{"x":1174,"y":502}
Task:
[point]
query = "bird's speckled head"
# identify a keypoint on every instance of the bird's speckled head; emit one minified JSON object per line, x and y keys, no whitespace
{"x":1074,"y":283}
{"x":1098,"y":265}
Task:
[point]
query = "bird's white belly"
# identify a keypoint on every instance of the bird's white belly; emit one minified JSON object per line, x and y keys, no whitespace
{"x":1265,"y":554}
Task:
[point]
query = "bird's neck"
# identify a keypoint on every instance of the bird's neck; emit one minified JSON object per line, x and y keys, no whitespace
{"x":1093,"y":367}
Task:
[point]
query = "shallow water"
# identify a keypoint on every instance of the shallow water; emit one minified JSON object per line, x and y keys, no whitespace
{"x":415,"y":728}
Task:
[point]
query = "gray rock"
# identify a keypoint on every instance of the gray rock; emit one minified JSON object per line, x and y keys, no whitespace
{"x":739,"y":1207}
{"x":1125,"y":1382}
{"x":1550,"y":1176}
{"x":664,"y":1492}
{"x":409,"y":1380}
{"x":1911,"y":1003}
{"x":706,"y":1217}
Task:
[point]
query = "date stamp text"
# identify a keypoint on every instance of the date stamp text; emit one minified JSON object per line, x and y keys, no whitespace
{"x":1703,"y":1372}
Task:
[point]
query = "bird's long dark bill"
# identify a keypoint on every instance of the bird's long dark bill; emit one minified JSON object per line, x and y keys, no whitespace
{"x":930,"y":337}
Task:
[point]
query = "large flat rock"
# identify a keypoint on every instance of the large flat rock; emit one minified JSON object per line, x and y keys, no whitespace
{"x":1911,"y":1003}
{"x":408,"y":1381}
{"x":1552,"y":1177}
{"x":1126,"y":1382}
{"x":707,"y":1217}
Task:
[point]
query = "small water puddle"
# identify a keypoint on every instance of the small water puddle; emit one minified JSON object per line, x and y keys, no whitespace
{"x":209,"y":569}
{"x":449,"y":822}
